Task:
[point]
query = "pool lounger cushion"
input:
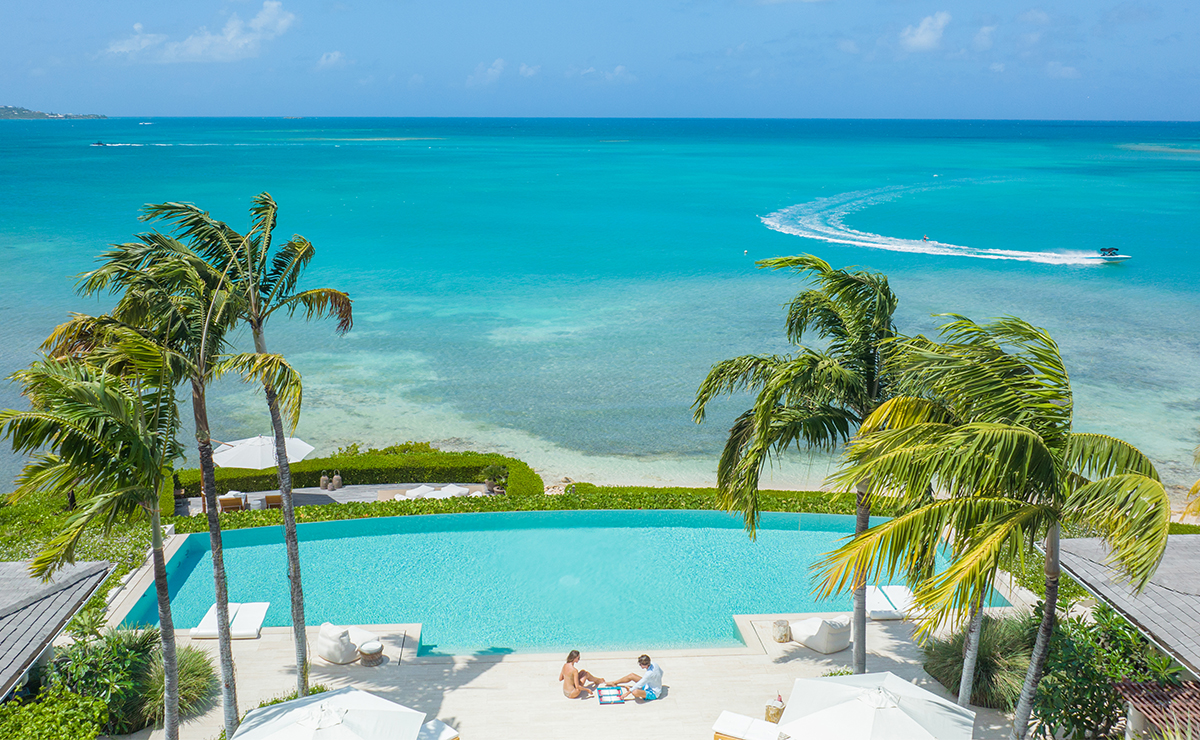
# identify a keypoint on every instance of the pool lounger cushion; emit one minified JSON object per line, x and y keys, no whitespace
{"x":822,"y":635}
{"x":207,"y":629}
{"x":435,"y":729}
{"x":901,"y":598}
{"x":732,"y":726}
{"x":880,"y":607}
{"x":247,"y":625}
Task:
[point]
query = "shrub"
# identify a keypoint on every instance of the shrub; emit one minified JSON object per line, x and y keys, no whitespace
{"x":377,"y":467}
{"x":56,"y":714}
{"x":197,"y":684}
{"x":1004,"y":650}
{"x":123,"y":669}
{"x":1076,"y":698}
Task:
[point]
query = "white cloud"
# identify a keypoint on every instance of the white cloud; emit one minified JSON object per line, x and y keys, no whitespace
{"x":135,"y":43}
{"x":528,"y":71}
{"x":927,"y":35}
{"x":997,"y":67}
{"x":1060,"y":71}
{"x":486,"y":75}
{"x":848,"y":46}
{"x":237,"y":40}
{"x":620,"y":74}
{"x":416,"y":80}
{"x":983,"y":39}
{"x":331,"y":60}
{"x":1035,"y":16}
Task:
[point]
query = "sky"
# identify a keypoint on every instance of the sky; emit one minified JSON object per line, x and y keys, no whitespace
{"x":1060,"y":59}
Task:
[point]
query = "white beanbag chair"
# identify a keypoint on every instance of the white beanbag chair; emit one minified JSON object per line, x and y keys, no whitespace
{"x":822,"y":635}
{"x":334,"y":645}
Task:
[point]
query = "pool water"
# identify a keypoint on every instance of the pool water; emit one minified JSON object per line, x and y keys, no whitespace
{"x":524,"y":581}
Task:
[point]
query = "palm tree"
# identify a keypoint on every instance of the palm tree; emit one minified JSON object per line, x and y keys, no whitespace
{"x":170,"y":296}
{"x":111,"y":438}
{"x":267,"y":278}
{"x":814,"y":398}
{"x":1008,"y":468}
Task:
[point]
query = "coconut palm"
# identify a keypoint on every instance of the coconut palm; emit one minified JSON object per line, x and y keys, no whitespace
{"x":813,"y":398}
{"x":112,"y":438}
{"x":266,"y":275}
{"x":171,"y":296}
{"x":1011,"y":473}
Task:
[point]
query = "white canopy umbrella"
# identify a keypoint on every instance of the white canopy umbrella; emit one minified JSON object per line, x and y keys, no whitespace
{"x":454,"y":490}
{"x":345,"y":714}
{"x":258,"y":452}
{"x":872,"y":706}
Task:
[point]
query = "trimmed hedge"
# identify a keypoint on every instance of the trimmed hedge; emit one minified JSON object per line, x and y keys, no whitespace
{"x":376,"y":468}
{"x":579,"y":496}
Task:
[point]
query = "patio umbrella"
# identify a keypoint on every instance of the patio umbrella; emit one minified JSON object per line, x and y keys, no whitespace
{"x":872,"y":706}
{"x":258,"y":452}
{"x":453,"y":490}
{"x":345,"y":714}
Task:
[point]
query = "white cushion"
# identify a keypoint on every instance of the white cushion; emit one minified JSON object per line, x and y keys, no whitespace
{"x":334,"y":645}
{"x":360,"y":636}
{"x":247,"y":625}
{"x":742,"y":727}
{"x":435,"y":729}
{"x":901,"y":597}
{"x":879,"y":607}
{"x":207,"y":629}
{"x":822,"y":635}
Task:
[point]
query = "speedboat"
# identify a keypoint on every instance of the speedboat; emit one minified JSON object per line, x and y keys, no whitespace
{"x":1109,"y":254}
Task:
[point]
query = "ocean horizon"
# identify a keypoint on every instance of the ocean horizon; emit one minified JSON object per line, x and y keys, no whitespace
{"x":556,"y":289}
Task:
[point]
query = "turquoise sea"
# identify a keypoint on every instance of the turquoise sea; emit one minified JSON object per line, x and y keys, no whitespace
{"x":556,"y":289}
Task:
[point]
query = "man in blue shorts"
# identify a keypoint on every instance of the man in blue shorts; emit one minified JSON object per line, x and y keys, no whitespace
{"x":647,"y":687}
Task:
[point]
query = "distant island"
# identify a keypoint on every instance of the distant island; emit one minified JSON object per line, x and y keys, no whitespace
{"x":15,"y":112}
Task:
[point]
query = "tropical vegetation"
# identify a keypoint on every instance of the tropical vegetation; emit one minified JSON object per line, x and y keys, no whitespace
{"x":53,"y":715}
{"x":985,"y":425}
{"x":814,"y":398}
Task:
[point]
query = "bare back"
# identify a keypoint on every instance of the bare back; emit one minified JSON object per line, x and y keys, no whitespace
{"x":569,"y":675}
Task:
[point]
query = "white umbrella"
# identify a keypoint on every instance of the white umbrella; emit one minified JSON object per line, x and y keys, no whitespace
{"x":453,"y":490}
{"x":872,"y":706}
{"x":259,"y":452}
{"x":345,"y":714}
{"x":421,"y":491}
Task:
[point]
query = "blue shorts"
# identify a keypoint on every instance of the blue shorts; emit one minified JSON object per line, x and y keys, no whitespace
{"x":650,"y":696}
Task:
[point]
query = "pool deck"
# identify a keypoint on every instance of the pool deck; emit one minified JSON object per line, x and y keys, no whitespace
{"x":517,"y":696}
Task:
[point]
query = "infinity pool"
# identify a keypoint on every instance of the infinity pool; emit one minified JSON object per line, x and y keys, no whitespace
{"x":524,"y":581}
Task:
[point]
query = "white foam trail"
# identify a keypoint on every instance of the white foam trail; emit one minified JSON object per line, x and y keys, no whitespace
{"x":823,"y":219}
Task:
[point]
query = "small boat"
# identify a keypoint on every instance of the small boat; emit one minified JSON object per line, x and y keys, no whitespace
{"x":1109,"y":254}
{"x":99,"y":143}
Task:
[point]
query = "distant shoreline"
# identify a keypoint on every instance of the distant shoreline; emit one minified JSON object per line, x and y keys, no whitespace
{"x":16,"y":113}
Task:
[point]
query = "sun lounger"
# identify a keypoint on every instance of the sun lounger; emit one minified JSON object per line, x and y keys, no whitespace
{"x":732,"y":726}
{"x":207,"y":629}
{"x":435,"y":729}
{"x":822,"y":635}
{"x":247,"y":625}
{"x":273,"y":501}
{"x":879,"y":607}
{"x":901,"y":598}
{"x":230,"y":503}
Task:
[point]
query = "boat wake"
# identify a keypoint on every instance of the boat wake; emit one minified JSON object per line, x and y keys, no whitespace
{"x":824,"y":218}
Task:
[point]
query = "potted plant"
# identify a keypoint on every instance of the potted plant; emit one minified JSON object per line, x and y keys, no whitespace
{"x":494,"y":478}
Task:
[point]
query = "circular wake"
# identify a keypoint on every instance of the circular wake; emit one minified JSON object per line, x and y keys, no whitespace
{"x":823,"y":219}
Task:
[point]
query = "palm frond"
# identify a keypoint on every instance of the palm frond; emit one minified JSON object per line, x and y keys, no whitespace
{"x":1132,"y":513}
{"x":1100,"y":456}
{"x":319,"y":303}
{"x":269,"y":370}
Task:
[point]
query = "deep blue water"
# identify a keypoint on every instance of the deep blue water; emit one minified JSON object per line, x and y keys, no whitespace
{"x":557,"y":289}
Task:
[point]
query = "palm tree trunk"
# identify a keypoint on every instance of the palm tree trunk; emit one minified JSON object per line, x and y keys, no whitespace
{"x":290,"y":539}
{"x":166,"y":630}
{"x":209,"y":477}
{"x":970,"y":654}
{"x":1041,"y":647}
{"x":292,"y":542}
{"x":859,"y":629}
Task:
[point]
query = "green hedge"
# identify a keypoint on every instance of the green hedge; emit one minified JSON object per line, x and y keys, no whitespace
{"x":581,"y":496}
{"x":376,"y":468}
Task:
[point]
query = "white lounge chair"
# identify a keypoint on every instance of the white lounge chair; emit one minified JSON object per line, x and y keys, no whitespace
{"x":247,"y":625}
{"x":880,"y":607}
{"x":435,"y":729}
{"x":822,"y":635}
{"x":733,"y":726}
{"x":207,"y":629}
{"x":901,"y":598}
{"x":340,"y":644}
